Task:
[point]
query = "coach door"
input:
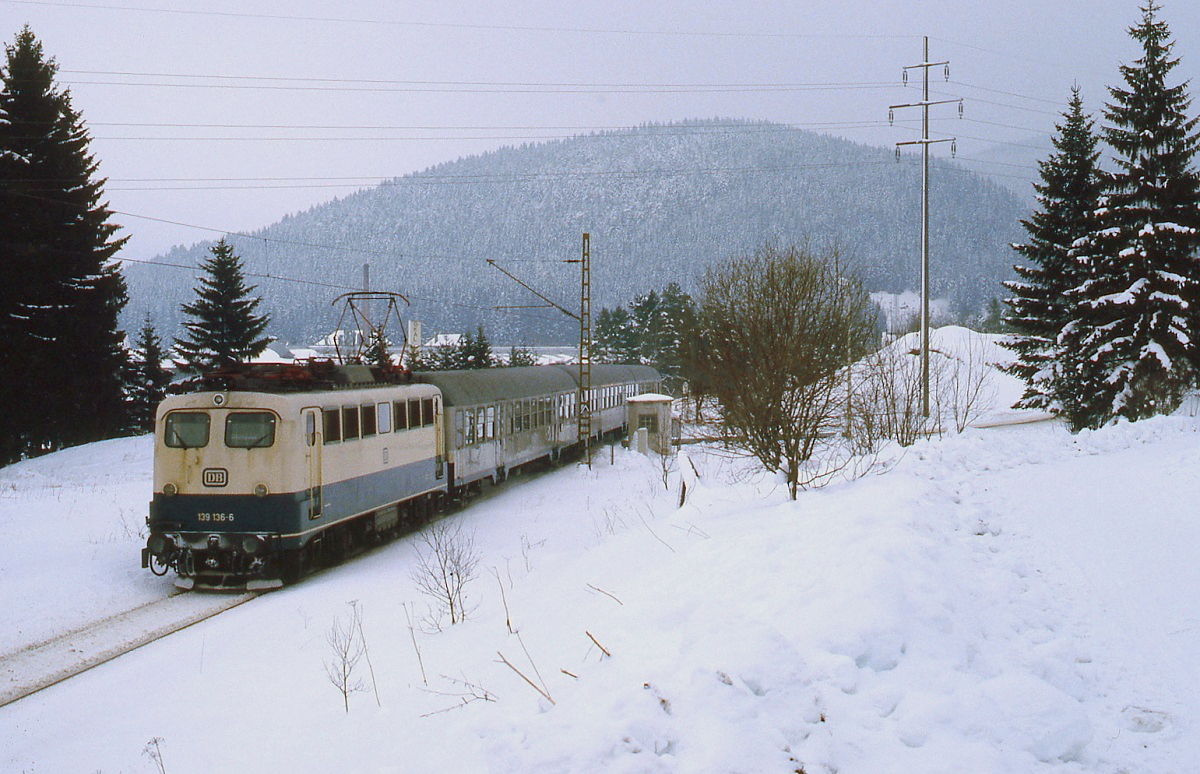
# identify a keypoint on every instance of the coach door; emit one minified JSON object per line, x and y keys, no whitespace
{"x":313,"y":444}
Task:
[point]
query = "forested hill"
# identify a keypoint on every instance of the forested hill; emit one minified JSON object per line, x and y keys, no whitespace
{"x":660,"y":203}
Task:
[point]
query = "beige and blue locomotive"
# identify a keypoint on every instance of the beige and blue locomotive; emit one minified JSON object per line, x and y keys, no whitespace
{"x":261,"y":472}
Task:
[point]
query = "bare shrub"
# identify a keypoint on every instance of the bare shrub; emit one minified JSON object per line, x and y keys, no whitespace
{"x":886,"y":400}
{"x":964,"y":390}
{"x":153,"y":751}
{"x":447,"y":561}
{"x":348,"y":647}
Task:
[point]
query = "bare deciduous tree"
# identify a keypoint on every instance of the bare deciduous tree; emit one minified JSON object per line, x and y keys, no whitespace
{"x":447,"y":562}
{"x":774,"y":332}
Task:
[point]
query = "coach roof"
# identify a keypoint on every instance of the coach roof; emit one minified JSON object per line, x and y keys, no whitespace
{"x":493,"y":385}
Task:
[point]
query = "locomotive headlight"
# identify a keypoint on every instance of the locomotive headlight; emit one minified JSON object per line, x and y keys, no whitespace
{"x":170,"y":489}
{"x":252,"y":544}
{"x":260,"y":490}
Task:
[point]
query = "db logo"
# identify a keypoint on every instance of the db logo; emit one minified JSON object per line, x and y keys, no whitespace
{"x":215,"y":477}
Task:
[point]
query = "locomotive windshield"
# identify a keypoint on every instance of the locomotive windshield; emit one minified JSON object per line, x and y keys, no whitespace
{"x":250,"y":430}
{"x":187,"y":429}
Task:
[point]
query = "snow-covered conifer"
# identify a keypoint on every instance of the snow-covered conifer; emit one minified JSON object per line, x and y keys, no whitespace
{"x":1039,"y":307}
{"x":1134,"y":340}
{"x":61,"y":292}
{"x":225,"y":329}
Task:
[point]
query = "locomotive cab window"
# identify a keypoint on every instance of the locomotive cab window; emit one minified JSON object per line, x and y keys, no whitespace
{"x":187,"y":429}
{"x":250,"y":430}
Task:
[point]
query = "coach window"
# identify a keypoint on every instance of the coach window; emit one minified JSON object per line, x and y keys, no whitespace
{"x":250,"y":430}
{"x":458,"y":429}
{"x":468,"y":417}
{"x":349,"y":423}
{"x":427,"y":411}
{"x":367,"y":411}
{"x":414,"y":414}
{"x":331,"y":421}
{"x":490,"y":427}
{"x":187,"y":429}
{"x":383,"y":413}
{"x":401,"y":408}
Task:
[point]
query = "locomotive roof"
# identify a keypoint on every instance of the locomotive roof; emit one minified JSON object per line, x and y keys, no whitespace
{"x":489,"y":385}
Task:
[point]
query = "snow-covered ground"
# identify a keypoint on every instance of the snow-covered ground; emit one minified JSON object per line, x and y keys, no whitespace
{"x":1012,"y":599}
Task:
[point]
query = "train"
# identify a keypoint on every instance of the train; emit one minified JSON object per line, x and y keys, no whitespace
{"x":262,"y":472}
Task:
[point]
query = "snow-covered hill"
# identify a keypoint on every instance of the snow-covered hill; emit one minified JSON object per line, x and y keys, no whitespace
{"x":1012,"y":599}
{"x":660,"y":202}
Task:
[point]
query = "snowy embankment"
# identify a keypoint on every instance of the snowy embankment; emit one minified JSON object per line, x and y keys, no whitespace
{"x":1012,"y":599}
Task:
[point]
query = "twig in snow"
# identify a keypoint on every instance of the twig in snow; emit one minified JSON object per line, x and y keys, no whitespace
{"x":504,"y":599}
{"x":366,"y":651}
{"x":413,"y":634}
{"x":605,"y":593}
{"x":652,"y":532}
{"x":532,"y":684}
{"x":598,"y":645}
{"x":473,"y":692}
{"x":528,"y":657}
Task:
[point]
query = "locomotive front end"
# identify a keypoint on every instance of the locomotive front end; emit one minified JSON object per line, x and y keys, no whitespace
{"x":222,"y":502}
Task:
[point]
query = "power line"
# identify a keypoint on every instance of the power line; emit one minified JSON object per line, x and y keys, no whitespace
{"x":433,"y":88}
{"x":459,"y":25}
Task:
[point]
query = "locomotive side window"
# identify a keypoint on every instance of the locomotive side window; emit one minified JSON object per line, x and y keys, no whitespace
{"x":187,"y":429}
{"x":368,"y":420}
{"x":414,"y":413}
{"x":427,"y":411}
{"x":401,"y":415}
{"x":384,"y":413}
{"x":349,"y":422}
{"x":332,"y":421}
{"x":250,"y":430}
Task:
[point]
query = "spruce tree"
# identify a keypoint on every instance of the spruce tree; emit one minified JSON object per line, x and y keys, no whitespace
{"x":148,"y":380}
{"x":224,"y":330}
{"x":616,"y":340}
{"x":519,"y":356}
{"x":1039,"y":307}
{"x":60,"y":293}
{"x":476,"y":350}
{"x":677,"y":314}
{"x":1134,"y":339}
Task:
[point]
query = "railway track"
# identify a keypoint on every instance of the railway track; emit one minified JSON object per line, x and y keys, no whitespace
{"x":52,"y":661}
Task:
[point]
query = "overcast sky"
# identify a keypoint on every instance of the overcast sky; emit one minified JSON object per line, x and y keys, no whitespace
{"x":227,"y":115}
